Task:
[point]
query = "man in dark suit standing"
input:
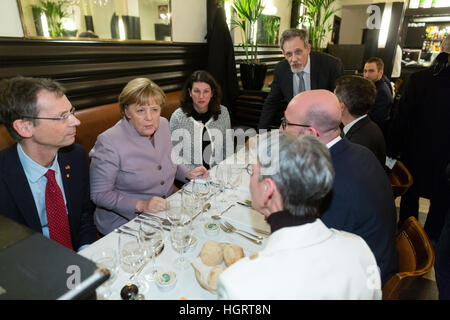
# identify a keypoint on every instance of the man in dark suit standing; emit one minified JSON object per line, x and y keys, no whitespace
{"x":380,"y":112}
{"x":420,"y":136}
{"x":44,"y":181}
{"x":361,"y":200}
{"x":356,"y":96}
{"x":302,"y":70}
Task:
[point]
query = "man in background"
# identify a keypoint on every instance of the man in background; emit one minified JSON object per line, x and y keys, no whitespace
{"x":301,"y":70}
{"x":356,"y":96}
{"x":380,"y":112}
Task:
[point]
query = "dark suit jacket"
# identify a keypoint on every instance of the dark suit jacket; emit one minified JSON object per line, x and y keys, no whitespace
{"x":325,"y":70}
{"x":362,"y":203}
{"x":17,"y":202}
{"x":381,"y":109}
{"x":365,"y":132}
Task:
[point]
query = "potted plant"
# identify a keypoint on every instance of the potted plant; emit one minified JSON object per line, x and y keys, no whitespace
{"x":54,"y":12}
{"x":253,"y":72}
{"x":316,"y":15}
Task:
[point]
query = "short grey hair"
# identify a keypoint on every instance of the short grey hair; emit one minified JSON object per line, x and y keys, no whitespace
{"x":305,"y":172}
{"x":292,"y":33}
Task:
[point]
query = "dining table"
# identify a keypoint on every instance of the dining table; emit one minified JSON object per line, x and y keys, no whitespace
{"x":232,"y":202}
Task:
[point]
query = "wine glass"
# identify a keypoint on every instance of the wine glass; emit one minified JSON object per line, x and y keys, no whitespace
{"x":201,"y":189}
{"x":131,"y":255}
{"x":152,"y":240}
{"x":181,"y":238}
{"x":235,"y":174}
{"x":222,"y":176}
{"x":189,"y":203}
{"x":106,"y":258}
{"x":174,"y":209}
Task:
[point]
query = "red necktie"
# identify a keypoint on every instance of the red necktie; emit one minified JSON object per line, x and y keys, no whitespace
{"x":58,"y":222}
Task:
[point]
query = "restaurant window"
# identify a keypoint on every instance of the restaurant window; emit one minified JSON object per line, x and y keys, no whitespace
{"x":97,"y":19}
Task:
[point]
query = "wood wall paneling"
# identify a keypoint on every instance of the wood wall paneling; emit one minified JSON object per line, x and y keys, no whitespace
{"x":94,"y":73}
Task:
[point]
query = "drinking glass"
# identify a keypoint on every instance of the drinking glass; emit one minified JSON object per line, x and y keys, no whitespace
{"x":189,"y":203}
{"x":151,"y":238}
{"x":174,"y":209}
{"x":181,"y":239}
{"x":106,"y":258}
{"x":222,"y":176}
{"x":132,"y":255}
{"x":201,"y":189}
{"x":235,"y":174}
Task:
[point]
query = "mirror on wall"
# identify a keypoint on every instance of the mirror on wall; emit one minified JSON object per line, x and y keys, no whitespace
{"x":97,"y":19}
{"x":268,"y":30}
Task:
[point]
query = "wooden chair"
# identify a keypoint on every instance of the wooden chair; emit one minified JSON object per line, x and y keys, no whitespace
{"x":401,"y":179}
{"x":415,"y":258}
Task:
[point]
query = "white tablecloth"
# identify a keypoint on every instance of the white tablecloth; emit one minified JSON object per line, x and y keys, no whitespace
{"x":187,"y":286}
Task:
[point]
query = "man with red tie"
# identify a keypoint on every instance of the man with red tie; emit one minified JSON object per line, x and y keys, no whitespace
{"x":44,"y":182}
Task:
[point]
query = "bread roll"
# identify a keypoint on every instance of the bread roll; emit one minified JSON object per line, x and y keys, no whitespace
{"x":211,"y":253}
{"x":214,"y":274}
{"x":232,"y":253}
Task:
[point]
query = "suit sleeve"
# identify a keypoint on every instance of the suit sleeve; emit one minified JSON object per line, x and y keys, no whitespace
{"x":336,"y":71}
{"x":88,"y":231}
{"x":105,"y":166}
{"x":273,"y":101}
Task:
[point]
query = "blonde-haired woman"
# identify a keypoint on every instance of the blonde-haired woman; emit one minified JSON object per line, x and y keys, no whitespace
{"x":131,"y":166}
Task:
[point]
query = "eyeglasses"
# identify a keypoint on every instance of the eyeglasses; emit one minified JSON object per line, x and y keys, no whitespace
{"x":65,"y":116}
{"x":284,"y":124}
{"x":250,"y":169}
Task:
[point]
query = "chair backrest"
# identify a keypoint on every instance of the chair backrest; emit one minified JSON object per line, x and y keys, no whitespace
{"x":415,"y":258}
{"x":401,"y":179}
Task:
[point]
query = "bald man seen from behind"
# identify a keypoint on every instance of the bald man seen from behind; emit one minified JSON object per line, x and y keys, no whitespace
{"x":361,"y":200}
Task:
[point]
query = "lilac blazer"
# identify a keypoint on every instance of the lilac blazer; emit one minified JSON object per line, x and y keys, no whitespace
{"x":126,"y":167}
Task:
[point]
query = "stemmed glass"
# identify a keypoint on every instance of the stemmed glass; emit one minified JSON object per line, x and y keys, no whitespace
{"x":181,"y":239}
{"x":234,"y":181}
{"x":107,"y":259}
{"x":222,"y":176}
{"x":181,"y":232}
{"x":132,"y":256}
{"x":201,"y":189}
{"x":151,"y":238}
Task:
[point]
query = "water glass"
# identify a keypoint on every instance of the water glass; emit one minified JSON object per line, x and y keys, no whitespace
{"x":151,"y":238}
{"x":201,"y":188}
{"x":106,"y":258}
{"x":181,"y":238}
{"x":132,"y":255}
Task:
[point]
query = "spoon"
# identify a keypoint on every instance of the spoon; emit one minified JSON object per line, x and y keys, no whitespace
{"x":217,"y":217}
{"x":204,"y":209}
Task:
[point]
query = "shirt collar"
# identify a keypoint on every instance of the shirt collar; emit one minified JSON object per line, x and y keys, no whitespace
{"x":333,"y":142}
{"x":33,"y":170}
{"x":349,"y":125}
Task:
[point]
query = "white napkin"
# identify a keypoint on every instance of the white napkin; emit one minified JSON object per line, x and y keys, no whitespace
{"x":246,"y":217}
{"x":202,"y":268}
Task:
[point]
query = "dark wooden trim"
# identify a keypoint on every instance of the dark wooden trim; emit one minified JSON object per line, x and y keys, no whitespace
{"x":94,"y":72}
{"x":270,"y":55}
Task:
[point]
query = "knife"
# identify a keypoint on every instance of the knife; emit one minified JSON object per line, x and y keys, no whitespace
{"x":244,"y":204}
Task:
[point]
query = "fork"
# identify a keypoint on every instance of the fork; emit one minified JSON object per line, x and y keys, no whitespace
{"x":230,"y":226}
{"x":227,"y":230}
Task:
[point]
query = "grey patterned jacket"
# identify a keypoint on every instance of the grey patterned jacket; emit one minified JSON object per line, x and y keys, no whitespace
{"x":187,"y":139}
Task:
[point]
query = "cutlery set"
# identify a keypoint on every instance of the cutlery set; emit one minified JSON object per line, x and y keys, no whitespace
{"x":225,"y":226}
